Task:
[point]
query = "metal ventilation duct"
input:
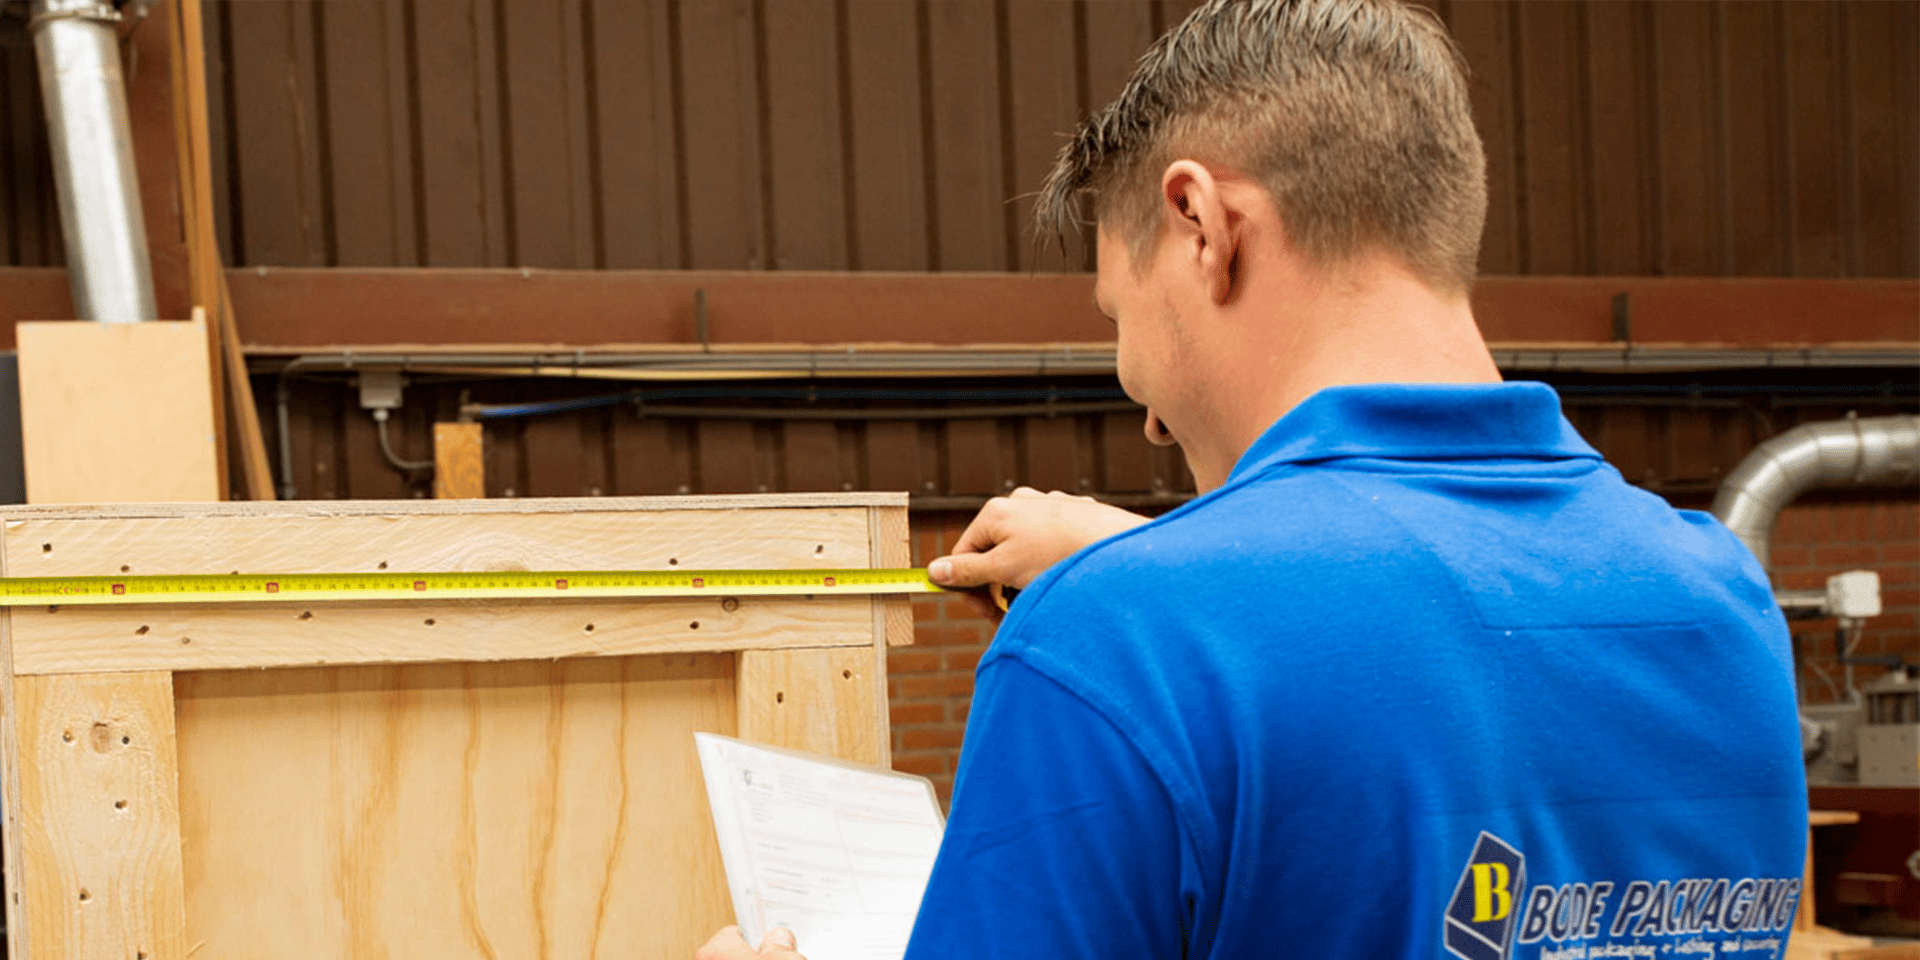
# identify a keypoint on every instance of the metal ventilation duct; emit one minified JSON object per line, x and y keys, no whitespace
{"x":1854,"y":451}
{"x":78,"y":50}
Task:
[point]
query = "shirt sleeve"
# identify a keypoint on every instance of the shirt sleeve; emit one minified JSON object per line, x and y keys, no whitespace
{"x":1061,"y":843}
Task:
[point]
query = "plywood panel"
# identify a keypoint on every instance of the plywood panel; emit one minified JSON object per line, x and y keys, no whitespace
{"x":97,"y":822}
{"x":113,"y":412}
{"x":821,"y":700}
{"x":459,"y":473}
{"x":180,"y":637}
{"x":508,"y":810}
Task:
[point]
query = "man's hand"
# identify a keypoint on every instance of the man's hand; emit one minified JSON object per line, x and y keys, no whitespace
{"x":729,"y":945}
{"x":1017,"y":537}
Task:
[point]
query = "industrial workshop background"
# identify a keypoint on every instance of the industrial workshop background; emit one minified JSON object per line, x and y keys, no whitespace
{"x":1705,"y":228}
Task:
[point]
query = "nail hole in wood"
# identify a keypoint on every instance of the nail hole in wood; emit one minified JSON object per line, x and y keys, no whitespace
{"x":46,"y":548}
{"x":729,"y":604}
{"x":428,"y":621}
{"x":819,"y":548}
{"x":140,"y":631}
{"x":66,"y":735}
{"x":846,"y":674}
{"x":125,"y":740}
{"x":305,"y":615}
{"x":383,"y":565}
{"x":85,"y":896}
{"x":124,"y":568}
{"x":119,"y":804}
{"x":673,"y":561}
{"x":185,"y":640}
{"x":53,"y":608}
{"x":694,"y":625}
{"x":779,"y":696}
{"x":589,"y":628}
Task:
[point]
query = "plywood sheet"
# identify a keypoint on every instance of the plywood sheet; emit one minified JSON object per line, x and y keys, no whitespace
{"x":98,"y":824}
{"x":113,"y":412}
{"x":825,"y":701}
{"x":459,"y":470}
{"x":530,"y":809}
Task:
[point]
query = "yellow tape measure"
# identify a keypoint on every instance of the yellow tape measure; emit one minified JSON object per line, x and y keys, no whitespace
{"x":312,"y":587}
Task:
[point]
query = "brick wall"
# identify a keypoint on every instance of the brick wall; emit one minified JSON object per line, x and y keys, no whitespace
{"x":1827,"y":534}
{"x":931,"y":682}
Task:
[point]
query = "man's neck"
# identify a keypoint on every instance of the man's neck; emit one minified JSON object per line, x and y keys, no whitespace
{"x":1374,"y":323}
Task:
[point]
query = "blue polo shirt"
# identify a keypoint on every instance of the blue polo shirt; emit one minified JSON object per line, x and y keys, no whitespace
{"x":1423,"y":679}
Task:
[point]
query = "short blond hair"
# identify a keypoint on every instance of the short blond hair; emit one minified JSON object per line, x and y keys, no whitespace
{"x":1352,"y":114}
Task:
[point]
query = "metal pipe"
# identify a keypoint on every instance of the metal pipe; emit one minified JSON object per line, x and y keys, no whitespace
{"x":78,"y":50}
{"x":1853,"y":451}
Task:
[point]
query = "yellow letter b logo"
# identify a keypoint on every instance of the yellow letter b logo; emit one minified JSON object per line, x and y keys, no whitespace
{"x":1491,"y":898}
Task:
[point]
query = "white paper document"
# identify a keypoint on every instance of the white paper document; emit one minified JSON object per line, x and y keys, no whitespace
{"x":837,"y":853}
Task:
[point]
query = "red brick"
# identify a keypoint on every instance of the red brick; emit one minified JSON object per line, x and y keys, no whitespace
{"x":964,"y":659}
{"x":924,"y":764}
{"x":961,"y":710}
{"x":902,"y":662}
{"x":963,"y":634}
{"x":905,"y":714}
{"x":1809,"y":579}
{"x":931,"y":738}
{"x":1902,"y":596}
{"x":1797,"y":525}
{"x":1900,"y":551}
{"x":1788,"y":558}
{"x":935,"y":685}
{"x":1897,"y":574}
{"x":926,"y":610}
{"x":1893,"y":622}
{"x":1849,"y":556}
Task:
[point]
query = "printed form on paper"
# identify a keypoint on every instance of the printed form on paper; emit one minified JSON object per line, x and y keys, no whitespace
{"x":835,"y":852}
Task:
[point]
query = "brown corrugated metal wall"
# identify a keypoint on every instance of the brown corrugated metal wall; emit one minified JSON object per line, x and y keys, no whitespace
{"x":1627,"y":138}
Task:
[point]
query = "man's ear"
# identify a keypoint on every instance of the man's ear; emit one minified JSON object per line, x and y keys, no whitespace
{"x":1202,"y":217}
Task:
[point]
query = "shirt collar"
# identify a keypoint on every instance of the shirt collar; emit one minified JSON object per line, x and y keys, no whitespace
{"x":1422,"y":421}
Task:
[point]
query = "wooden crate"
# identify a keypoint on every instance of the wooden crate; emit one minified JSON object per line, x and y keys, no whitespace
{"x":487,"y":779}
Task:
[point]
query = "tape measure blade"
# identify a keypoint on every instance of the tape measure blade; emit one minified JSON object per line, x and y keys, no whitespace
{"x":518,"y":584}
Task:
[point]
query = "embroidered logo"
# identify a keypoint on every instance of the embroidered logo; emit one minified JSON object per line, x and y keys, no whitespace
{"x":1479,"y":924}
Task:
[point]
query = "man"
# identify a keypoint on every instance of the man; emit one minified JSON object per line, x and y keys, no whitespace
{"x":1416,"y":675}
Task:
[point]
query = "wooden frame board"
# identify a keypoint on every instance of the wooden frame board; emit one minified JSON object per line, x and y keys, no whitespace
{"x":451,"y":779}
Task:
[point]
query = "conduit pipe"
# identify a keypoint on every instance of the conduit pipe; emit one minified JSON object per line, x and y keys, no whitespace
{"x":1849,"y":452}
{"x":78,"y":49}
